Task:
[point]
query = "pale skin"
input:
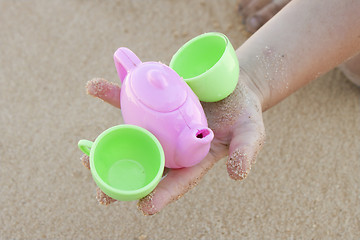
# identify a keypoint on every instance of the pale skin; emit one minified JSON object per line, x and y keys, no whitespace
{"x":306,"y":39}
{"x":255,"y":13}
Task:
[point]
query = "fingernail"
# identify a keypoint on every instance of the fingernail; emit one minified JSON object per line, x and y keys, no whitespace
{"x":146,"y":205}
{"x":252,"y":24}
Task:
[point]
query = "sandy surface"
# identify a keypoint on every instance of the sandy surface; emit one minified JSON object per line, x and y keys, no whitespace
{"x":306,"y":183}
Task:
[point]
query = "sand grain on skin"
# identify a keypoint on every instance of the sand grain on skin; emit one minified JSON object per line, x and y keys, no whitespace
{"x":146,"y":204}
{"x":225,"y":112}
{"x":100,"y":87}
{"x":103,"y":198}
{"x":238,"y":165}
{"x":85,"y":161}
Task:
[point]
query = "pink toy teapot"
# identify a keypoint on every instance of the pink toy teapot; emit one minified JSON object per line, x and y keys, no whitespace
{"x":155,"y":97}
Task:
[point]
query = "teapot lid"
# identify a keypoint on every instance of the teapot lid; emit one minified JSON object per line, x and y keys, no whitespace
{"x":158,"y":87}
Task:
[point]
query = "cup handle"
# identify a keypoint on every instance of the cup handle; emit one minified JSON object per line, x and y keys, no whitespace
{"x":85,"y":146}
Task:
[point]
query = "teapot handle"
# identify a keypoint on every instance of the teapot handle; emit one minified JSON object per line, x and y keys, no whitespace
{"x":125,"y":60}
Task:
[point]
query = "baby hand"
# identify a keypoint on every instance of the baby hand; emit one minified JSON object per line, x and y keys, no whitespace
{"x":239,"y":132}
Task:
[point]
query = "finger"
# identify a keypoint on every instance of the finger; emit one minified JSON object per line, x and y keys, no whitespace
{"x":100,"y":195}
{"x":247,"y":140}
{"x":175,"y":185}
{"x":254,"y":6}
{"x":105,"y":90}
{"x":259,"y":18}
{"x":103,"y":198}
{"x":85,"y":161}
{"x":243,"y":4}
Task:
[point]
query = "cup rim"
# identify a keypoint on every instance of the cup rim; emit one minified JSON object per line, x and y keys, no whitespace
{"x":196,"y":39}
{"x":117,"y":191}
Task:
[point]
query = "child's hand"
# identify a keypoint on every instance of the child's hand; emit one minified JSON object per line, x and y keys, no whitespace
{"x":239,"y":132}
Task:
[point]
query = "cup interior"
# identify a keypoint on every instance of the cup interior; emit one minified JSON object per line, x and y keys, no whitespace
{"x":127,"y":158}
{"x":199,"y":55}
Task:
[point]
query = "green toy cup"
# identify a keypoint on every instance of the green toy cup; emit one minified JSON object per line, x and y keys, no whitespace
{"x":209,"y":65}
{"x":126,"y":161}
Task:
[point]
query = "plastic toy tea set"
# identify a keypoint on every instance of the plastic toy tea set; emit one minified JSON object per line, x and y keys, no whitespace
{"x":165,"y":125}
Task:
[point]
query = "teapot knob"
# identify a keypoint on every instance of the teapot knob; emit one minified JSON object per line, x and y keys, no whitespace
{"x":157,"y":79}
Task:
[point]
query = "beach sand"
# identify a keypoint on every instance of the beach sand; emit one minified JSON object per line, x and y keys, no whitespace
{"x":305,"y":184}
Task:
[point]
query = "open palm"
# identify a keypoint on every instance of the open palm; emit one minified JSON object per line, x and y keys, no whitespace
{"x":239,"y":132}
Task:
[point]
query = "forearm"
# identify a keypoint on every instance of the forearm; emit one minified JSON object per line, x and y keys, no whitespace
{"x":304,"y":40}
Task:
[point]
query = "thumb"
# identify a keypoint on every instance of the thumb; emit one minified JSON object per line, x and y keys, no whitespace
{"x":105,"y":90}
{"x":247,"y":140}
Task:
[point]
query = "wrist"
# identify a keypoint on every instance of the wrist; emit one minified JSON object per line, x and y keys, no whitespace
{"x":256,"y":85}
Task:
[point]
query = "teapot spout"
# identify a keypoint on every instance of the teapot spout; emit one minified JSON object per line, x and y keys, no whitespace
{"x":193,"y":145}
{"x":125,"y":60}
{"x":204,"y":133}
